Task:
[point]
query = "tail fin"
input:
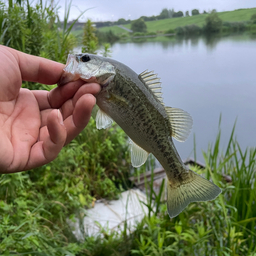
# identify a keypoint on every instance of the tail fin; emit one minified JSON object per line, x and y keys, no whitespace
{"x":193,"y":190}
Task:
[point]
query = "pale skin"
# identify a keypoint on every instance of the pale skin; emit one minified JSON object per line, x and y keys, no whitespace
{"x":35,"y":125}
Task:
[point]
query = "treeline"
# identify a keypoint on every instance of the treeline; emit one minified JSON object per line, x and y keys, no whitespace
{"x":213,"y":24}
{"x":165,"y":14}
{"x":170,"y":13}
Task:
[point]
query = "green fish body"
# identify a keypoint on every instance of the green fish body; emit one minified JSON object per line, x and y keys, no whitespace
{"x":134,"y":102}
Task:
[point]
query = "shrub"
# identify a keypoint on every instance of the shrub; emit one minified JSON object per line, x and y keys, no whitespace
{"x":253,"y":18}
{"x":188,"y":30}
{"x":234,"y":26}
{"x":138,"y":34}
{"x":151,"y":34}
{"x":192,"y":29}
{"x":170,"y":31}
{"x":139,"y":26}
{"x":90,"y":41}
{"x":212,"y":23}
{"x":180,"y":30}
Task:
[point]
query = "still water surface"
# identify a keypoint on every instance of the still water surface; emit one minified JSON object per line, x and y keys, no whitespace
{"x":207,"y":78}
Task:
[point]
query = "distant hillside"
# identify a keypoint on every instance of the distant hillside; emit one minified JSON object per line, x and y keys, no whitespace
{"x":160,"y":26}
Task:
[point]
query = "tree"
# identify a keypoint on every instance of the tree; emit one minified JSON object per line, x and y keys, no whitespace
{"x":178,"y":14}
{"x":213,"y":23}
{"x":171,"y":12}
{"x":139,"y":26}
{"x":187,"y":13}
{"x":195,"y":12}
{"x":253,"y":18}
{"x":90,"y":41}
{"x":164,"y":14}
{"x":121,"y":21}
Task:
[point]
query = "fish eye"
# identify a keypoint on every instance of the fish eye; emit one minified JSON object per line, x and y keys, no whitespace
{"x":85,"y":58}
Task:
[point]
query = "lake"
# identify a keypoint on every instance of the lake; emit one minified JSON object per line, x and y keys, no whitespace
{"x":207,"y":78}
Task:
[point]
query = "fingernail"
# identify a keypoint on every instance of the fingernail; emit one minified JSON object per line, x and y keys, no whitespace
{"x":60,"y":118}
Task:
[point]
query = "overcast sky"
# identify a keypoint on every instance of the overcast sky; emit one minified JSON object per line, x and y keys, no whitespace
{"x":112,"y":10}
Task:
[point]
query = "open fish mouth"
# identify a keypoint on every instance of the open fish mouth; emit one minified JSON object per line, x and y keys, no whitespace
{"x":69,"y":74}
{"x":72,"y":63}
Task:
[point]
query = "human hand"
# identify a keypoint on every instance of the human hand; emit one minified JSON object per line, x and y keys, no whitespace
{"x":36,"y":124}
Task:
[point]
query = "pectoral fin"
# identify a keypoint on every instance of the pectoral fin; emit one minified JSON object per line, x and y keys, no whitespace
{"x":138,"y":155}
{"x":103,"y":121}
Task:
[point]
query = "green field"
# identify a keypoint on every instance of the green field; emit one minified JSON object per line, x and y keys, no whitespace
{"x":161,"y":26}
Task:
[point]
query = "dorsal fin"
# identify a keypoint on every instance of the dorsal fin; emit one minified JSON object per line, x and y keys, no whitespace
{"x":151,"y":80}
{"x":181,"y":123}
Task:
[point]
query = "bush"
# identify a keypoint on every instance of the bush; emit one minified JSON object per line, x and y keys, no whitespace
{"x":180,"y":30}
{"x":192,"y":30}
{"x":188,"y":30}
{"x":107,"y":37}
{"x":139,"y":34}
{"x":90,"y":40}
{"x":234,"y":26}
{"x":212,"y":23}
{"x":170,"y":31}
{"x":139,"y":26}
{"x":253,"y":18}
{"x":151,"y":34}
{"x":252,"y":28}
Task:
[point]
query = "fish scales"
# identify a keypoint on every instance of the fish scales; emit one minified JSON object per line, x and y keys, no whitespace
{"x":129,"y":99}
{"x":149,"y":127}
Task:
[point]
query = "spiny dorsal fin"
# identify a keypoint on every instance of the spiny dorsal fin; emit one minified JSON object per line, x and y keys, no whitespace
{"x":138,"y":155}
{"x":103,"y":121}
{"x":153,"y":83}
{"x":181,"y":123}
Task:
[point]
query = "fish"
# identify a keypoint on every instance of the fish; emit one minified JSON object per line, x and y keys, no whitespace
{"x":136,"y":104}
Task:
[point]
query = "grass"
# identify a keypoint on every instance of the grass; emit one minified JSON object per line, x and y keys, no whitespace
{"x":225,"y":226}
{"x":199,"y":20}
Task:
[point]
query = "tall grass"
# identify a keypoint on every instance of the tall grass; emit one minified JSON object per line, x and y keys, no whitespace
{"x":225,"y":226}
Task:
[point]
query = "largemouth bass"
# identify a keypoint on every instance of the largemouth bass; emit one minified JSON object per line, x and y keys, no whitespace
{"x":135,"y":103}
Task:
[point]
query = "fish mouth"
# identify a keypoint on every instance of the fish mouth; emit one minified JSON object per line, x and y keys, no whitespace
{"x":71,"y":71}
{"x":68,"y":74}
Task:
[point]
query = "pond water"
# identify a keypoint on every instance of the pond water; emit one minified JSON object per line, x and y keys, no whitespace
{"x":207,"y":77}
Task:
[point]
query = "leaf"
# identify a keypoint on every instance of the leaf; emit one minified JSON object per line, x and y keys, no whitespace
{"x":28,"y":235}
